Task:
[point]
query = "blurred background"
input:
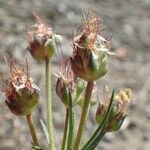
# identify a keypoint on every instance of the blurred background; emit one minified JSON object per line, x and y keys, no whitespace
{"x":128,"y":25}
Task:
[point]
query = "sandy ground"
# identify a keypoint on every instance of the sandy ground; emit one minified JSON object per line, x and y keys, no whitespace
{"x":127,"y":22}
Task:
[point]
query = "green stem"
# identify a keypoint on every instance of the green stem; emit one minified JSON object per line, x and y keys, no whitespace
{"x":84,"y":114}
{"x":49,"y":105}
{"x":32,"y":130}
{"x":64,"y":142}
{"x":71,"y":125}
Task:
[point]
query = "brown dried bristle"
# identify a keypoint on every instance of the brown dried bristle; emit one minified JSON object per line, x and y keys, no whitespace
{"x":37,"y":18}
{"x":16,"y":75}
{"x":91,"y":27}
{"x":41,"y":26}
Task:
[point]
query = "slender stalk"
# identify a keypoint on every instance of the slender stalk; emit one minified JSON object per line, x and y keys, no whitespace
{"x":71,"y":125}
{"x":71,"y":131}
{"x":84,"y":114}
{"x":32,"y":130}
{"x":49,"y":105}
{"x":64,"y":142}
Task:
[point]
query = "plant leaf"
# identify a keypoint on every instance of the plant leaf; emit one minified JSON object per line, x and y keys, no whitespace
{"x":45,"y":130}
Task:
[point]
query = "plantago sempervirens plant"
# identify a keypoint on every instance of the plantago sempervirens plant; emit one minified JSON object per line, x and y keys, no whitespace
{"x":75,"y":85}
{"x":89,"y":62}
{"x":22,"y":95}
{"x":65,"y":87}
{"x":42,"y":46}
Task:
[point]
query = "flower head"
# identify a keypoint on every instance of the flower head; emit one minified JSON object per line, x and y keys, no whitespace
{"x":65,"y":82}
{"x":42,"y":40}
{"x":21,"y":93}
{"x":119,"y":111}
{"x":90,"y":61}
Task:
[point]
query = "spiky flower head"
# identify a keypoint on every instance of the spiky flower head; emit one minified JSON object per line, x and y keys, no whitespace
{"x":42,"y":40}
{"x":119,"y":111}
{"x":22,"y":95}
{"x":90,"y":61}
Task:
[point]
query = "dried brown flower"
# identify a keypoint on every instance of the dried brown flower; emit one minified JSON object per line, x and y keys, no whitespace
{"x":21,"y":93}
{"x":41,"y":40}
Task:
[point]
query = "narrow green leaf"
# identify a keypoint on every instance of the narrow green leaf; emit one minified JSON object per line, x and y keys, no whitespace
{"x":100,"y":131}
{"x":45,"y":130}
{"x":95,"y":142}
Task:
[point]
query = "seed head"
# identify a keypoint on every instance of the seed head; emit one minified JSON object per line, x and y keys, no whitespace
{"x":41,"y":40}
{"x":90,"y":61}
{"x":65,"y":82}
{"x":21,"y":93}
{"x":119,"y":111}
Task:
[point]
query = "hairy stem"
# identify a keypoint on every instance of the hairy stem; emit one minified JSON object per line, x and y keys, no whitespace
{"x":84,"y":114}
{"x":49,"y":105}
{"x":32,"y":130}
